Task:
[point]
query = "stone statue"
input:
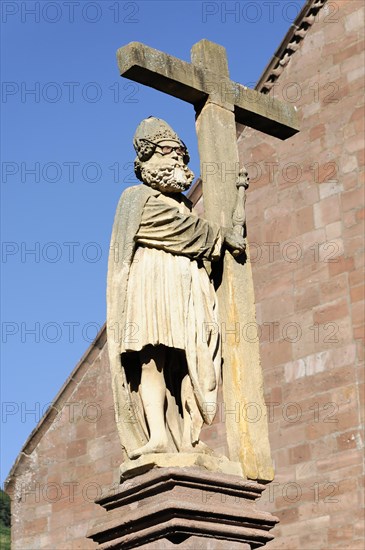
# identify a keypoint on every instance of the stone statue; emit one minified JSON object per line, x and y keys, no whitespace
{"x":164,"y":346}
{"x":155,"y":221}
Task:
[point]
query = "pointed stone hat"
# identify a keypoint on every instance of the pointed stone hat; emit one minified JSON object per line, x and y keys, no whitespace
{"x":153,"y":130}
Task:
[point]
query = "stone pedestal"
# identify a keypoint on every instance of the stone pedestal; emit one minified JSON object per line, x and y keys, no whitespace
{"x":189,"y":508}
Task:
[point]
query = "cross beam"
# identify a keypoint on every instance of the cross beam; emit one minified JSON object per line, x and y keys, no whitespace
{"x":197,"y":83}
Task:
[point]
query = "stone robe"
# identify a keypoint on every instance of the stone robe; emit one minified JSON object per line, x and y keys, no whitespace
{"x":159,"y":293}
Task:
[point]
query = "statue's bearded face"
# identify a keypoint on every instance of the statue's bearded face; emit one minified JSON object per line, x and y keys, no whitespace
{"x":166,"y":170}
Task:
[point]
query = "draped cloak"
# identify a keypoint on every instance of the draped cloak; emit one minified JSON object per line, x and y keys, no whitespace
{"x":159,"y":293}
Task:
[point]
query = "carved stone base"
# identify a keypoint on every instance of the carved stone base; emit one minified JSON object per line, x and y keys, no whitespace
{"x":188,"y":508}
{"x":211,"y":462}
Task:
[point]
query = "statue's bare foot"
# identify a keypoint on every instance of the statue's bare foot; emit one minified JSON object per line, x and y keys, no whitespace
{"x":149,"y":448}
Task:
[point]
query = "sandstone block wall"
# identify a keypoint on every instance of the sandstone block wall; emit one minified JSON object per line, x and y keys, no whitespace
{"x":305,"y":212}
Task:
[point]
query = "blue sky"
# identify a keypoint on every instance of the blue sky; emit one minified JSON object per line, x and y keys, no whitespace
{"x":67,"y":125}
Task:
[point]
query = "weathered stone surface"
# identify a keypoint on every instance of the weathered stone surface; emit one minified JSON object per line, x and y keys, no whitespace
{"x":219,"y":104}
{"x":242,"y":380}
{"x":196,"y":82}
{"x":131,"y":468}
{"x":174,"y":504}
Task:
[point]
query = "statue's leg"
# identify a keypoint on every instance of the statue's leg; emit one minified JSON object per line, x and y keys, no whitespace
{"x":153,"y":393}
{"x":186,"y":397}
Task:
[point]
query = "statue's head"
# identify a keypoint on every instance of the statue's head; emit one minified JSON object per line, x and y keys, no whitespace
{"x":162,"y":157}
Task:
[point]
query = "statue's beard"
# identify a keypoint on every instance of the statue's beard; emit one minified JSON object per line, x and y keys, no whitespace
{"x":167,"y":178}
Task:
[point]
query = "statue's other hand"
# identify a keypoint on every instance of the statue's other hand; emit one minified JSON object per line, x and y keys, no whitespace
{"x":235,"y":242}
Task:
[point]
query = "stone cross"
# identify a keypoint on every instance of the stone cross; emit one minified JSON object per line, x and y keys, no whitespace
{"x":220,"y":103}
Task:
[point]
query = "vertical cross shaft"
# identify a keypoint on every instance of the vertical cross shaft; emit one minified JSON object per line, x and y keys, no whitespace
{"x":216,"y":129}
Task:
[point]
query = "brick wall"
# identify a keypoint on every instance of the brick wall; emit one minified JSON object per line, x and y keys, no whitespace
{"x":306,"y":203}
{"x":77,"y":456}
{"x":305,"y":213}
